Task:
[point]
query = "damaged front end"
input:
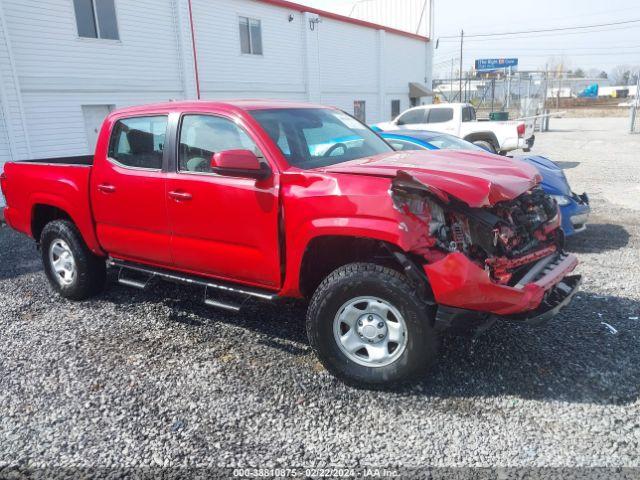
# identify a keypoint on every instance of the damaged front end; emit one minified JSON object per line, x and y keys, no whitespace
{"x":504,"y":259}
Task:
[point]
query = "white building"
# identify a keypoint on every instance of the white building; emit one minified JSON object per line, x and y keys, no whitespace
{"x":408,"y":15}
{"x":64,"y":64}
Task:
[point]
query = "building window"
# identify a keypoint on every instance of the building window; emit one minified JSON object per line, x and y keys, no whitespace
{"x":360,"y":110}
{"x":395,"y":108}
{"x":250,"y":36}
{"x":96,"y":19}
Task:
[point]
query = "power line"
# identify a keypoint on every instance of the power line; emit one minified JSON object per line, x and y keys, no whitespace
{"x":566,"y":50}
{"x":560,"y":29}
{"x":558,"y":34}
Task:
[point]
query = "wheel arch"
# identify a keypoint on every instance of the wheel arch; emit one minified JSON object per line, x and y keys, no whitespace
{"x":326,"y":253}
{"x":484,"y":136}
{"x":47,"y":208}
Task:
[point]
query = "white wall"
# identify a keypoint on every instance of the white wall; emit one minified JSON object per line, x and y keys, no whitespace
{"x":348,"y":66}
{"x":407,"y":15}
{"x":16,"y":143}
{"x":226,"y":73}
{"x":47,"y":73}
{"x":58,"y":71}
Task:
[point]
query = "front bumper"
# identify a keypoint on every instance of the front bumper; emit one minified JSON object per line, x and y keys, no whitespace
{"x":575,"y":215}
{"x":458,"y":282}
{"x":555,"y":300}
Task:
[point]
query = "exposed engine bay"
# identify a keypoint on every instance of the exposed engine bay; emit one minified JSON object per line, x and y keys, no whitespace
{"x":503,"y":239}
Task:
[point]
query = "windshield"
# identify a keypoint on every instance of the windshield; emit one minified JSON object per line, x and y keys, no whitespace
{"x":449,"y":142}
{"x":319,"y":137}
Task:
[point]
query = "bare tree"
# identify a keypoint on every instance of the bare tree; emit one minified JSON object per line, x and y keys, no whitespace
{"x":621,"y":74}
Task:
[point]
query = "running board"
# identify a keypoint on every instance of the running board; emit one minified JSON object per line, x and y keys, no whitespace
{"x":139,"y":283}
{"x":151,"y":273}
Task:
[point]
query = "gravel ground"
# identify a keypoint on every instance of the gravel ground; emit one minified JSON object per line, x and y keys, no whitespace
{"x":153,"y":378}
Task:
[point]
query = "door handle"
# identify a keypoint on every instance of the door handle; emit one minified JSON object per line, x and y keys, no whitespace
{"x":105,"y":188}
{"x":180,"y":196}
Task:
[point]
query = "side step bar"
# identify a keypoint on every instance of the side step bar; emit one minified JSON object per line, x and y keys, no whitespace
{"x":149,"y":273}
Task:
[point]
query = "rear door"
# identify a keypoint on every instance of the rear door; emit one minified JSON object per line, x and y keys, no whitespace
{"x":442,"y":119}
{"x":226,"y":227}
{"x":128,"y":191}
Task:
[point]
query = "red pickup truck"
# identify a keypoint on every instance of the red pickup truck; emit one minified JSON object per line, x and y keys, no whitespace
{"x":272,"y":199}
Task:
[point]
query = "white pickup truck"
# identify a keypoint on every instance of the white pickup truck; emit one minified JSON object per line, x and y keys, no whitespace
{"x":459,"y":119}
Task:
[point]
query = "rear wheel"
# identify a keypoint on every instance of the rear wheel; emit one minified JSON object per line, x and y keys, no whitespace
{"x":369,"y":328}
{"x":72,"y":269}
{"x":488,"y":146}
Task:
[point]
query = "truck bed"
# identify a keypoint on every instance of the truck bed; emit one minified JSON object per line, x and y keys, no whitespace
{"x":61,"y":183}
{"x":86,"y":160}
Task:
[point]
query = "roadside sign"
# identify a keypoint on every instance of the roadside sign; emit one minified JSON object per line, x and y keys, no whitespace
{"x":490,"y":64}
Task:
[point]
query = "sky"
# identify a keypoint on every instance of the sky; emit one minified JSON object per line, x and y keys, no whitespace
{"x":601,"y":48}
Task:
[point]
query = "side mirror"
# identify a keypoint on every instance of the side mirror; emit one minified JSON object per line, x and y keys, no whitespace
{"x":239,"y":163}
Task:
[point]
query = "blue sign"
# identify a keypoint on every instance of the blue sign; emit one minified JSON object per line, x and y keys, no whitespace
{"x":488,"y":64}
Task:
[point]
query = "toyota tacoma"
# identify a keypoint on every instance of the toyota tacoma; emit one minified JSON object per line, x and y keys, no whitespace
{"x":262,"y":199}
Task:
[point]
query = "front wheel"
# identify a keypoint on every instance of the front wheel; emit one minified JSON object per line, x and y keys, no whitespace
{"x":72,"y":269}
{"x":369,"y":328}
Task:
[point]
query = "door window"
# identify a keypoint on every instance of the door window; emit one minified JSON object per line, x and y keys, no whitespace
{"x":412,"y":117}
{"x":139,"y":142}
{"x":468,"y":114}
{"x":440,"y":115}
{"x":201,"y":136}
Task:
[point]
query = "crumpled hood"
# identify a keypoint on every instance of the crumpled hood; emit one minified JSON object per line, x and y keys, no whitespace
{"x":478,"y":179}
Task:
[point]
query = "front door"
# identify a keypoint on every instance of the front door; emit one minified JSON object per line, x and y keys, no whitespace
{"x":225,"y":227}
{"x":128,"y":192}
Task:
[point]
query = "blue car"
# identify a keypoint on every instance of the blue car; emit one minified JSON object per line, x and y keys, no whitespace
{"x":574,"y":208}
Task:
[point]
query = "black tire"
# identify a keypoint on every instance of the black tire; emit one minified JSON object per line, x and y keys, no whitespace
{"x":365,"y":279}
{"x":90,"y":270}
{"x":488,"y":146}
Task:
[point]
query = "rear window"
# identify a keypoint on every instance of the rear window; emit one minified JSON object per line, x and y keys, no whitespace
{"x":139,"y":142}
{"x":440,"y":115}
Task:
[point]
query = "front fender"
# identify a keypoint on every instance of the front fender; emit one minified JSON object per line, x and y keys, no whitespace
{"x":382,"y":229}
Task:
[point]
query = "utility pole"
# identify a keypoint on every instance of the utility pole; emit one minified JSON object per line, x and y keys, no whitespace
{"x":508,"y":102}
{"x":451,"y":82}
{"x":461,"y":42}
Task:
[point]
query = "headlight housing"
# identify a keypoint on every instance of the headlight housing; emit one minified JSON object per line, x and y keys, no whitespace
{"x":561,"y":200}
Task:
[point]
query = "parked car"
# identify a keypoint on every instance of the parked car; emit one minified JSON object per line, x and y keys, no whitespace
{"x":229,"y":197}
{"x":459,"y":119}
{"x":575,"y":208}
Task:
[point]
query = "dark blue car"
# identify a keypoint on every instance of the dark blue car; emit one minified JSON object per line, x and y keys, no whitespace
{"x":575,"y":208}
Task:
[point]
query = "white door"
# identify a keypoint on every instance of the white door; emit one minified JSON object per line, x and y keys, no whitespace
{"x":94,"y":115}
{"x":442,"y":119}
